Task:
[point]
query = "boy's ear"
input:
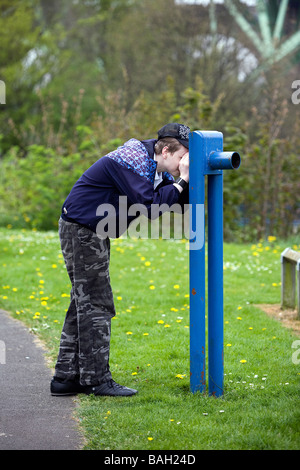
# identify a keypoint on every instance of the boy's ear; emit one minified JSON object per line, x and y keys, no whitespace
{"x":164,"y":151}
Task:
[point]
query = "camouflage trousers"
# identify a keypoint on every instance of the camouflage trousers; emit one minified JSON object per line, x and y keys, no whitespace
{"x":85,"y":338}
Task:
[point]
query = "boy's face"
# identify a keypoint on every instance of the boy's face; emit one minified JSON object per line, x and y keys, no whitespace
{"x":171,"y":161}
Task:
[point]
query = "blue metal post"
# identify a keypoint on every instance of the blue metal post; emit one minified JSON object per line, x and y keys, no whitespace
{"x":207,"y":158}
{"x":215,"y":283}
{"x":197,"y":267}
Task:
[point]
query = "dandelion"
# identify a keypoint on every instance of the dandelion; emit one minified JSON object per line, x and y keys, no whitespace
{"x":134,"y":373}
{"x":176,"y":286}
{"x":129,"y":333}
{"x":243,"y":361}
{"x":228,"y":345}
{"x":14,"y":289}
{"x":167,"y":326}
{"x":119,"y":297}
{"x":145,"y":334}
{"x":150,"y":438}
{"x":147,"y":263}
{"x":173,"y":309}
{"x":152,"y":287}
{"x":64,"y":295}
{"x":161,"y":322}
{"x":238,"y":318}
{"x":54,"y":266}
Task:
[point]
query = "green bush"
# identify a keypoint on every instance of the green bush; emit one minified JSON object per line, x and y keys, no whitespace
{"x":34,"y":188}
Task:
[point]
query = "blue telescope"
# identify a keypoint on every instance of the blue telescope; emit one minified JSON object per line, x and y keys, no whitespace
{"x":207,"y":159}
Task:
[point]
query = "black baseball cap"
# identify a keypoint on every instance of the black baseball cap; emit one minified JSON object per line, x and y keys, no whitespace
{"x":177,"y":131}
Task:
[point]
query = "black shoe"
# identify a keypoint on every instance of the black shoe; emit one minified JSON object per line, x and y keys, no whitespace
{"x":112,"y":389}
{"x":61,"y":388}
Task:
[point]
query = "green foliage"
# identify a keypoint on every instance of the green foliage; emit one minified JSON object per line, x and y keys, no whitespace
{"x":82,"y":77}
{"x":33,"y":188}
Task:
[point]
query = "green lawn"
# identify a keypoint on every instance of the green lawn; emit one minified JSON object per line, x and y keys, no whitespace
{"x":260,"y":408}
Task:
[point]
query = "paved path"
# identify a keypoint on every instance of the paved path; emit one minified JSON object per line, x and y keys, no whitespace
{"x":30,"y":418}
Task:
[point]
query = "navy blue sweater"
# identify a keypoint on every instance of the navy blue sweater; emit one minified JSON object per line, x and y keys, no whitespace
{"x":128,"y":171}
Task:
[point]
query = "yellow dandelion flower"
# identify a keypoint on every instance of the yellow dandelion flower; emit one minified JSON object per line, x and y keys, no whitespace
{"x":161,"y":322}
{"x":150,"y":438}
{"x":129,"y":333}
{"x":54,"y":266}
{"x":152,"y":287}
{"x":176,"y":286}
{"x":243,"y":361}
{"x":147,"y":263}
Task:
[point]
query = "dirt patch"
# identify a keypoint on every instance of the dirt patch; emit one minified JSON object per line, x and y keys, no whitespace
{"x":288,"y":317}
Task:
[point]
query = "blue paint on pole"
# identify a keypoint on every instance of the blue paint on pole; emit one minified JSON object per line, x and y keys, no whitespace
{"x":215,"y":283}
{"x":197,"y":267}
{"x":207,"y":159}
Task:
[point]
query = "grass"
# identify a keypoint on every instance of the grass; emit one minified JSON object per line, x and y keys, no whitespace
{"x":150,"y":344}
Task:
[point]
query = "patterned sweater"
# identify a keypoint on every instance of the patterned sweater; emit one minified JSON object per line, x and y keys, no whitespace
{"x":117,"y":181}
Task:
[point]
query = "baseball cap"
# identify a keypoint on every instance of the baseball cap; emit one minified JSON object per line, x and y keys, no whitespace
{"x":177,"y":131}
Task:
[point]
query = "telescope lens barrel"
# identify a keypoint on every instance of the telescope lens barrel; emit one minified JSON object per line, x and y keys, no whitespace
{"x":224,"y":160}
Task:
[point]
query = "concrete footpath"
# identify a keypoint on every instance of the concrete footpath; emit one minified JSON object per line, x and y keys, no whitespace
{"x":30,"y":418}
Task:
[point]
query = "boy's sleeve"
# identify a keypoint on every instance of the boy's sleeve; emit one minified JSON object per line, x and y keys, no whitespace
{"x":138,"y":189}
